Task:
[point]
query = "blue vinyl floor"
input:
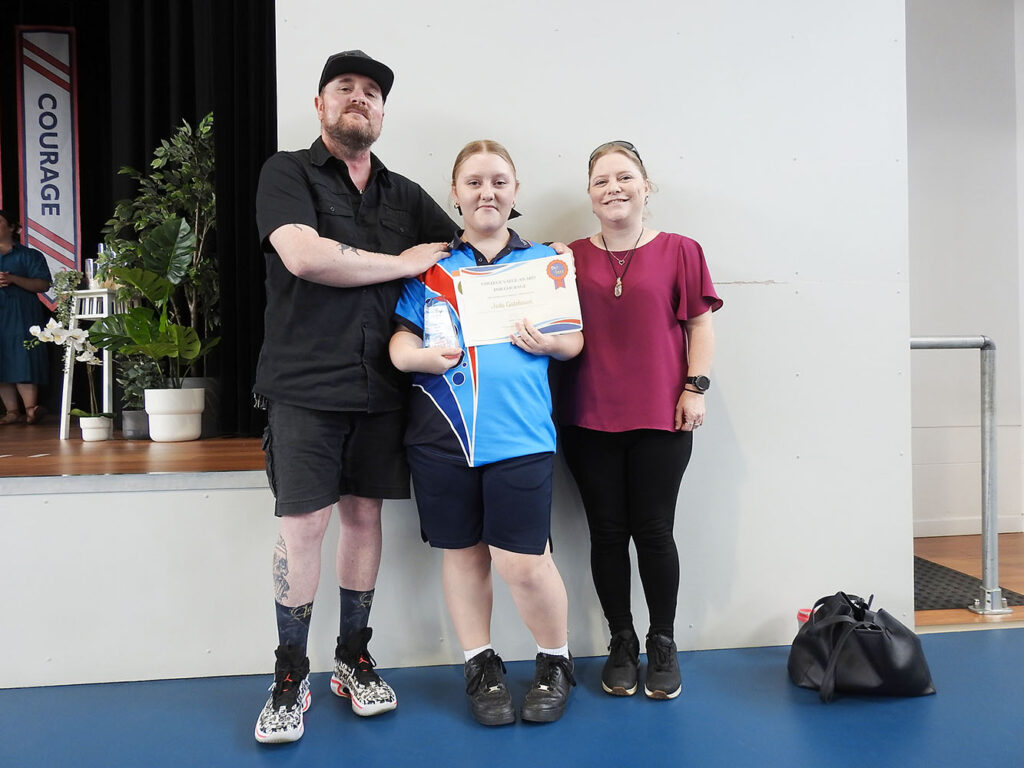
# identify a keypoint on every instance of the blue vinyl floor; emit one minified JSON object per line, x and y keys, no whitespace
{"x":737,"y":708}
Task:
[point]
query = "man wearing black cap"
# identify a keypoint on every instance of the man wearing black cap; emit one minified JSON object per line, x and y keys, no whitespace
{"x":331,"y":219}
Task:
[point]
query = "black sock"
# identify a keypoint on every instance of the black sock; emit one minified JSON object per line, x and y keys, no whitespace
{"x":293,"y":625}
{"x":355,"y":611}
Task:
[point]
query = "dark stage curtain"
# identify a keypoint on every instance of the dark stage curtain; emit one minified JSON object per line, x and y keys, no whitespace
{"x":245,"y":105}
{"x":144,"y":66}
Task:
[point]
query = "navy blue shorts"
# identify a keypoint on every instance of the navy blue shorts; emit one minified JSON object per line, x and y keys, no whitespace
{"x":315,"y":457}
{"x":506,"y":504}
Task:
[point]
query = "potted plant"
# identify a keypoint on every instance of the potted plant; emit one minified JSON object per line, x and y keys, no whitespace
{"x":136,"y":374}
{"x":174,"y":413}
{"x":179,"y":184}
{"x":95,"y":424}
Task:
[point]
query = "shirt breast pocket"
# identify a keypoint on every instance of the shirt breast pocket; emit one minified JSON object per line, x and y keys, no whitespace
{"x":398,"y":227}
{"x":334,"y":214}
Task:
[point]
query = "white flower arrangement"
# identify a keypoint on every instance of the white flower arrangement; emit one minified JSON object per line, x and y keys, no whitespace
{"x":76,"y":340}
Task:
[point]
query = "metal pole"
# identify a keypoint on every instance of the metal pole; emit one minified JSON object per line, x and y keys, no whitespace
{"x":991,"y":600}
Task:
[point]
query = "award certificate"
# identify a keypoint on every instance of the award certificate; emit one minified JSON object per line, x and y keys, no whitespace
{"x":493,"y":297}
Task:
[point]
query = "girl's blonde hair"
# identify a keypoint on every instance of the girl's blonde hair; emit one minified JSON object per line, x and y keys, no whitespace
{"x":483,"y":147}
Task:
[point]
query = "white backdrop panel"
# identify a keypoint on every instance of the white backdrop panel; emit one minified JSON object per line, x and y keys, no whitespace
{"x":777,"y":137}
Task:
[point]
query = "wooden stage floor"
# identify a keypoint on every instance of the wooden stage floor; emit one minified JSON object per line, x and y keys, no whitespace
{"x":34,"y":450}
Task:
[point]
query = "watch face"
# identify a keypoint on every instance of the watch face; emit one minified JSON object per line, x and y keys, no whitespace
{"x":703,"y":383}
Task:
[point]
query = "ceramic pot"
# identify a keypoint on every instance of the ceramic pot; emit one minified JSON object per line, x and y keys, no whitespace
{"x":175,"y":415}
{"x":211,"y":407}
{"x":95,"y":428}
{"x":134,"y":425}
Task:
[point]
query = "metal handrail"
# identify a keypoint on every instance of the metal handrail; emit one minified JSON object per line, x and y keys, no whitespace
{"x":991,"y":600}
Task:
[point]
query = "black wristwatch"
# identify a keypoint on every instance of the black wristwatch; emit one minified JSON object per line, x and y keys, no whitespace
{"x":702,"y":383}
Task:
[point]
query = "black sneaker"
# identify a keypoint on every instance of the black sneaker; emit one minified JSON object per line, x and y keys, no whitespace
{"x":281,"y":717}
{"x":549,"y":695}
{"x":488,"y":694}
{"x":663,"y":681}
{"x":620,"y":670}
{"x":354,"y":676}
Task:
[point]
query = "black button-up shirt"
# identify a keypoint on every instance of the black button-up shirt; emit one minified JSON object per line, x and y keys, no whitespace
{"x":324,"y":347}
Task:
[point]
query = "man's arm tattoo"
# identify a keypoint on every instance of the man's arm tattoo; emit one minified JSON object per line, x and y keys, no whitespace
{"x":344,"y":248}
{"x":281,"y":585}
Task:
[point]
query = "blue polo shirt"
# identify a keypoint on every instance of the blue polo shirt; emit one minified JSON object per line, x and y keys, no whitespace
{"x":496,"y":403}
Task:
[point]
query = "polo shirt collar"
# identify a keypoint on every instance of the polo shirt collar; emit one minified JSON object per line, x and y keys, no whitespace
{"x":515,"y":243}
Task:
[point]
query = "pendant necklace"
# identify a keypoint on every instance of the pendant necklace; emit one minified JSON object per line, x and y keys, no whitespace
{"x":624,"y":262}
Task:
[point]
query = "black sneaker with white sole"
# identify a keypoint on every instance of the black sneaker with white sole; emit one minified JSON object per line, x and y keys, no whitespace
{"x":663,"y":681}
{"x":619,"y":675}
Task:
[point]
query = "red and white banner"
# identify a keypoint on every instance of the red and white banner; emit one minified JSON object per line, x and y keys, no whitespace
{"x":48,"y":144}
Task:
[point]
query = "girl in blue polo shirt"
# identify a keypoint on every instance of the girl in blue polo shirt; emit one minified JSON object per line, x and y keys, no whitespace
{"x":481,"y":442}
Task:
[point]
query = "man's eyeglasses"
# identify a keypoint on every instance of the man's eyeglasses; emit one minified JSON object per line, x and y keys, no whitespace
{"x":619,"y":143}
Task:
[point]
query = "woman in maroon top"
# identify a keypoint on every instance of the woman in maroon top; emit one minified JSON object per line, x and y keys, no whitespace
{"x":629,"y":405}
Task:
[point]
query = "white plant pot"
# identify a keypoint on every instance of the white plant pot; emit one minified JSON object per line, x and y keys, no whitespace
{"x":175,"y":415}
{"x":96,"y":428}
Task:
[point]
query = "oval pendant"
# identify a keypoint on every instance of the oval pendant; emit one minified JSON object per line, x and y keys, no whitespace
{"x":618,"y":287}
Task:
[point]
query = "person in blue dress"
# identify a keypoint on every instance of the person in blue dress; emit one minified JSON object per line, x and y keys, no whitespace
{"x":23,"y":275}
{"x":480,"y":443}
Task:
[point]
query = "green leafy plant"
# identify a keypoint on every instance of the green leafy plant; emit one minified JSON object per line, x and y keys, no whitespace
{"x":165,"y":254}
{"x":136,"y":374}
{"x":65,"y":283}
{"x":180,"y":184}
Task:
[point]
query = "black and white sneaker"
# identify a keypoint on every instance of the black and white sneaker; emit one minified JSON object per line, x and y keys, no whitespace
{"x":619,"y":675}
{"x":663,"y":680}
{"x":281,"y":718}
{"x":354,"y":677}
{"x":489,"y":697}
{"x":548,"y":696}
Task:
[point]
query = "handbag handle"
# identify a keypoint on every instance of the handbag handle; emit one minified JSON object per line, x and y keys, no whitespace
{"x":827,"y":689}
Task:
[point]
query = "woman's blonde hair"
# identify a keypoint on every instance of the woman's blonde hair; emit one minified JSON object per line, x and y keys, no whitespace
{"x":483,"y":147}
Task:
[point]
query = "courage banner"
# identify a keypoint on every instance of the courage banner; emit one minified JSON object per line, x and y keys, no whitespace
{"x":48,"y":144}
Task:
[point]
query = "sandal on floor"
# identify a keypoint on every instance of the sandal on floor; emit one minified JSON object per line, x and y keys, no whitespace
{"x":34,"y":414}
{"x":12,"y":417}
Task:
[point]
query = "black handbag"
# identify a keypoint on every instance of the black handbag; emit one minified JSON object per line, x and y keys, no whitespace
{"x":846,"y":647}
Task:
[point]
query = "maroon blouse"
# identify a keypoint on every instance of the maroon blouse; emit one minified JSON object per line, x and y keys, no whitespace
{"x":633,"y":365}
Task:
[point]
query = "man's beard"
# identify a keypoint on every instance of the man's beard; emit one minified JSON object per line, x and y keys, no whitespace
{"x":355,"y":138}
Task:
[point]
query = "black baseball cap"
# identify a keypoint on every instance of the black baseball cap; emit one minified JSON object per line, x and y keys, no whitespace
{"x":12,"y":220}
{"x":358,"y":62}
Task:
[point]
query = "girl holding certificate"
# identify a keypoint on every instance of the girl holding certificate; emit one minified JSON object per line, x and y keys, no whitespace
{"x":480,"y":443}
{"x":629,"y":406}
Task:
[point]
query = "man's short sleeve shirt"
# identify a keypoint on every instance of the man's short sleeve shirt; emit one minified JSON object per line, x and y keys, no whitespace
{"x":325,"y":347}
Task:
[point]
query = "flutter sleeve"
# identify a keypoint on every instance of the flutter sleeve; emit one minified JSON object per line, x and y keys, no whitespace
{"x":696,"y":290}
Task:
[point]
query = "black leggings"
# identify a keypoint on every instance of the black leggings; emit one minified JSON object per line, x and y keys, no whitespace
{"x":629,"y":482}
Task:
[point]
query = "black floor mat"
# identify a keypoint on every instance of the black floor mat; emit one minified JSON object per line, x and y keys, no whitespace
{"x":937,"y":588}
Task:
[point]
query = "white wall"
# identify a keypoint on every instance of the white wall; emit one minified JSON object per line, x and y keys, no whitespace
{"x":964,"y":253}
{"x":777,"y":136}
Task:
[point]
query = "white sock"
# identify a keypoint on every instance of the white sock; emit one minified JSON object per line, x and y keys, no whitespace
{"x":471,"y":653}
{"x":563,"y":651}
